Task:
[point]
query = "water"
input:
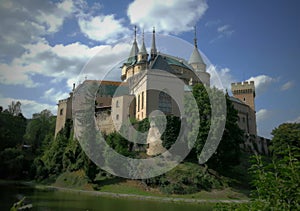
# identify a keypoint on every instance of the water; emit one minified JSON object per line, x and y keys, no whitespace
{"x":58,"y":200}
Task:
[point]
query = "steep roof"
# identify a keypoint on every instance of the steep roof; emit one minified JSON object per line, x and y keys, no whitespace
{"x":196,"y":57}
{"x":161,"y":63}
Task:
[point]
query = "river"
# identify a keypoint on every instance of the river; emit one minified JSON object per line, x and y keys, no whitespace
{"x":60,"y":200}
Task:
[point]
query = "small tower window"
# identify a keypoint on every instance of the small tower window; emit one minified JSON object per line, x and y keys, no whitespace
{"x":142,"y":100}
{"x":117,"y":117}
{"x":61,"y":111}
{"x":244,"y":99}
{"x":117,"y":104}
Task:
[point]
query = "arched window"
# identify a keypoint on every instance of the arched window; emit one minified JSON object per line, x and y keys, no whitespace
{"x":117,"y":104}
{"x":164,"y":102}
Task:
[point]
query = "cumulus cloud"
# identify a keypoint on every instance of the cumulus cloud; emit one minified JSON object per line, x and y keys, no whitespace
{"x":54,"y":96}
{"x":61,"y":62}
{"x":172,"y":16}
{"x":262,"y":115}
{"x":28,"y":107}
{"x":220,"y":77}
{"x":102,"y":28}
{"x":262,"y":82}
{"x":287,"y":85}
{"x":24,"y":22}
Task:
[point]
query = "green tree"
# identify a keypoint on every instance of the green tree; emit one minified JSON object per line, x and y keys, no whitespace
{"x":276,"y":183}
{"x":11,"y":162}
{"x":42,"y":126}
{"x":228,"y":151}
{"x":12,"y":130}
{"x":286,"y":135}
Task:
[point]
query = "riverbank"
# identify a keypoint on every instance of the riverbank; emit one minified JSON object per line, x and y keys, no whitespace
{"x":215,"y":196}
{"x":143,"y":197}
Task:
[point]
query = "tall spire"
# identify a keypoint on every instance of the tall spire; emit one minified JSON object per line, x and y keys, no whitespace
{"x":196,"y":60}
{"x":134,"y":49}
{"x":142,"y":55}
{"x":143,"y":48}
{"x":153,"y":47}
{"x":195,"y":37}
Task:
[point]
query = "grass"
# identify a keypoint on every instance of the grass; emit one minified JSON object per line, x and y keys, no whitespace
{"x":135,"y":187}
{"x":75,"y":180}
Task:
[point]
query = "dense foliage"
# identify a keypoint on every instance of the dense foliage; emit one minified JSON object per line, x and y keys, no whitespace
{"x":228,"y":151}
{"x":276,"y":183}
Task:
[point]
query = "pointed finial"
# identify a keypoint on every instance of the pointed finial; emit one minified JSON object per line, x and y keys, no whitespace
{"x":153,"y":47}
{"x":195,"y":36}
{"x":134,"y":32}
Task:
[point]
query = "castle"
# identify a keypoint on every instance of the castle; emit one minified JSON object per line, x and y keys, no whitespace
{"x":136,"y":98}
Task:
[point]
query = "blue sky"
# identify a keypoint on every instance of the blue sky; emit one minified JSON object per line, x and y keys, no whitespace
{"x":45,"y":44}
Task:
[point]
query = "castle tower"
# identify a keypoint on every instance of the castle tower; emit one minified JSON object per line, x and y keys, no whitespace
{"x":245,"y":105}
{"x":134,"y":49}
{"x":142,"y":55}
{"x":128,"y":66}
{"x":153,"y":47}
{"x":198,"y":64}
{"x":64,"y":112}
{"x":245,"y":92}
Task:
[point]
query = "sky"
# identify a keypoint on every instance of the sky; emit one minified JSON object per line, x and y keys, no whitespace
{"x":45,"y":46}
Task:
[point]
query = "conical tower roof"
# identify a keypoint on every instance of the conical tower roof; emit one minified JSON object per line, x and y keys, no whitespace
{"x":134,"y":49}
{"x":196,"y":57}
{"x":143,"y":48}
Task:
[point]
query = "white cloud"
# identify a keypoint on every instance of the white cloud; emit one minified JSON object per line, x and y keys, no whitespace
{"x":287,"y":85}
{"x":262,"y":115}
{"x":220,"y":78}
{"x":102,"y":28}
{"x":24,"y":22}
{"x":167,"y":16}
{"x":54,"y":19}
{"x":28,"y":107}
{"x":262,"y":82}
{"x":54,"y":96}
{"x":212,"y":23}
{"x":61,"y":62}
{"x":223,"y":28}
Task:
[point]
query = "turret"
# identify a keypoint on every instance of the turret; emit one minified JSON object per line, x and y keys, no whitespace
{"x":132,"y":59}
{"x":198,"y":64}
{"x":134,"y":49}
{"x":143,"y":55}
{"x":196,"y":60}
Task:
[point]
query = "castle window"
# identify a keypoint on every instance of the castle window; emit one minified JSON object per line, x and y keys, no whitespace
{"x":164,"y":102}
{"x":117,"y":117}
{"x":244,"y":119}
{"x":142,"y":100}
{"x":117,"y":104}
{"x":61,"y":111}
{"x":244,"y":99}
{"x":139,"y":102}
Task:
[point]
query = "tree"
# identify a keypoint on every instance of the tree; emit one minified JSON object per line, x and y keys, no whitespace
{"x":287,"y":134}
{"x":228,"y":151}
{"x":38,"y":129}
{"x":12,"y":130}
{"x":15,"y":108}
{"x":276,"y":183}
